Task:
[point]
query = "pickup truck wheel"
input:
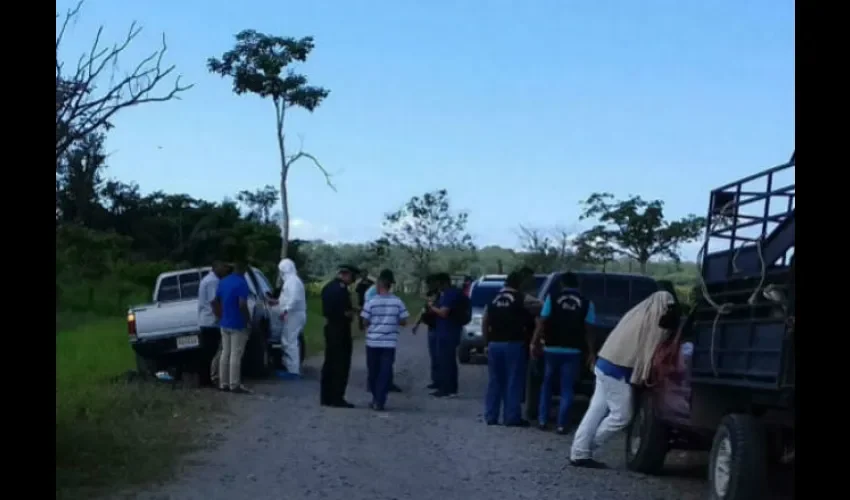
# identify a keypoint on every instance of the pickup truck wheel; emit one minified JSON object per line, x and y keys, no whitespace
{"x":257,"y":360}
{"x":464,"y":356}
{"x":647,"y":439}
{"x":146,"y":367}
{"x":737,"y":466}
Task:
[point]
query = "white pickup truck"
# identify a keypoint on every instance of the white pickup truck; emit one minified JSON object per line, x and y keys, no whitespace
{"x":165,"y":332}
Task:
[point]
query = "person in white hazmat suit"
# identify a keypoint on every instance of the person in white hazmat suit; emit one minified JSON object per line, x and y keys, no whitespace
{"x":293,"y":313}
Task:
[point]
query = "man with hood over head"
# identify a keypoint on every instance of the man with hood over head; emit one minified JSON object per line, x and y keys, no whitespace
{"x":293,"y":307}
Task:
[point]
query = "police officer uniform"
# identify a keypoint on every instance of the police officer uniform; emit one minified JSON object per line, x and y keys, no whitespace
{"x":507,"y":338}
{"x":338,"y":312}
{"x":565,"y":315}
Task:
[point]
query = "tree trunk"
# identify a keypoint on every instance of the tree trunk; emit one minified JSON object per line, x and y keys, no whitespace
{"x":642,"y":266}
{"x":284,"y":198}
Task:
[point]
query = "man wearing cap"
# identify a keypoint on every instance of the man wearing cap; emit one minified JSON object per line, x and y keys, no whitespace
{"x":338,"y":312}
{"x":383,"y":315}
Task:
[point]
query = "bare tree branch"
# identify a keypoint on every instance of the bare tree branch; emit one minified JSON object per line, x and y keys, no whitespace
{"x":80,"y":108}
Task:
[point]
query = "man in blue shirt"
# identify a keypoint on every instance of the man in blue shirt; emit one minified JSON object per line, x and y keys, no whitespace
{"x":447,"y":333}
{"x":232,"y":310}
{"x":562,"y":330}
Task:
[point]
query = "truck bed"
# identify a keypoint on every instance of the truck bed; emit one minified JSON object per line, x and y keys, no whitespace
{"x":166,"y":319}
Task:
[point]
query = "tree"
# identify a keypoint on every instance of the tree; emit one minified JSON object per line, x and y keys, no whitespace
{"x":424,"y":225}
{"x":89,"y":96}
{"x":259,"y":202}
{"x":636,"y":228}
{"x":259,"y":64}
{"x":593,"y":248}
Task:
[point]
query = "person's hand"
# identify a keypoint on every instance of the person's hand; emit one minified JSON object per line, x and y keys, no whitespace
{"x":430,"y":303}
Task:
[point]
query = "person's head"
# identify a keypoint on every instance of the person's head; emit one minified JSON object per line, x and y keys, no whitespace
{"x":287,"y":268}
{"x":347,"y":273}
{"x":386,"y":280}
{"x":569,"y":279}
{"x":514,"y":280}
{"x":221,"y":269}
{"x":442,"y":280}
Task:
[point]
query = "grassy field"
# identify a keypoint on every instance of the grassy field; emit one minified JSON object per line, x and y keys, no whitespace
{"x":111,"y":433}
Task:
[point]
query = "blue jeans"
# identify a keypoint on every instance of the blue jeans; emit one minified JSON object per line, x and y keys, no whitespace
{"x":507,"y":364}
{"x":432,"y":354}
{"x":447,"y":376}
{"x":566,"y":366}
{"x":379,"y":364}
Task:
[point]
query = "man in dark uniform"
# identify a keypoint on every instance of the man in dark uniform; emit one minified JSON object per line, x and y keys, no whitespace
{"x":504,"y":326}
{"x":338,"y":312}
{"x":360,"y":290}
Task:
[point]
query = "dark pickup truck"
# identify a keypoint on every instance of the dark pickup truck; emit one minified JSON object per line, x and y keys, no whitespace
{"x":613,"y":294}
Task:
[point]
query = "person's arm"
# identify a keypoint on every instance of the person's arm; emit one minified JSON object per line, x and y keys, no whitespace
{"x":366,"y":314}
{"x":444,"y":306}
{"x":540,"y":321}
{"x":216,"y":302}
{"x":244,"y":292}
{"x":590,"y":319}
{"x":348,"y":307}
{"x":402,"y":313}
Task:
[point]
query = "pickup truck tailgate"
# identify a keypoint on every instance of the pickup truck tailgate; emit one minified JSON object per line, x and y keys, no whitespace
{"x":166,"y":318}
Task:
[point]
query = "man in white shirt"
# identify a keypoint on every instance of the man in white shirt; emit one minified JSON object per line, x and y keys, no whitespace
{"x":207,"y":321}
{"x":293,"y":307}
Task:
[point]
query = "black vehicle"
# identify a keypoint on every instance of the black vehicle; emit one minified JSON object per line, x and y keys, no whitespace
{"x":613,"y":294}
{"x":734,"y":390}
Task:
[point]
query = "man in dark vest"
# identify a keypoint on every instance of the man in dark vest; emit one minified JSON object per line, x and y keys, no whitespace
{"x":562,"y":331}
{"x":505,"y":328}
{"x":338,"y":312}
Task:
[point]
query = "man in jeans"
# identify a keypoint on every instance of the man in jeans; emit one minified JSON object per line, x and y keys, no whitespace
{"x":384,"y":315}
{"x":234,"y":318}
{"x":447,"y":335}
{"x":207,"y":320}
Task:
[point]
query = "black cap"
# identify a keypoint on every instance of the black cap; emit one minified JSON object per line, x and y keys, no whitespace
{"x":387,"y":276}
{"x":348,"y":268}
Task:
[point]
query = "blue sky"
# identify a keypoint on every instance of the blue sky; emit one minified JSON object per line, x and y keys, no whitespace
{"x":519,"y":109}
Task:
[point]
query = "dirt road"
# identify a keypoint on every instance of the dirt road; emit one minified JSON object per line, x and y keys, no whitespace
{"x":280,"y":444}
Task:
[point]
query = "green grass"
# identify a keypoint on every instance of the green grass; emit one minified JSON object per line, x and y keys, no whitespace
{"x":111,"y":433}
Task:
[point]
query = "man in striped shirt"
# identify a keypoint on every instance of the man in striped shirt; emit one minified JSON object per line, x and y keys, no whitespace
{"x":383,"y":316}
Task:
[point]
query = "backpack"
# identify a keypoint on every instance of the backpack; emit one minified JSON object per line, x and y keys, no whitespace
{"x":461,"y":313}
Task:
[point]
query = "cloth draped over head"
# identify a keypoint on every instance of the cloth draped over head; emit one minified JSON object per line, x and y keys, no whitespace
{"x":634,"y":340}
{"x":292,"y":294}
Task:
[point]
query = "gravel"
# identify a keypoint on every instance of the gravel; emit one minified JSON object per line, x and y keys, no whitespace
{"x":280,"y":444}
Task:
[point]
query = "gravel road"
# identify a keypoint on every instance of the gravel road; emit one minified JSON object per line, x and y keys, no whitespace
{"x":280,"y":444}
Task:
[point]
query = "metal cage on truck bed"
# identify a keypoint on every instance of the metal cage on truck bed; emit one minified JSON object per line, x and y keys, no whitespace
{"x":749,"y":246}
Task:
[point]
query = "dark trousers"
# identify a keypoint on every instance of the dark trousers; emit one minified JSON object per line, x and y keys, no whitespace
{"x":337,"y":365}
{"x":507,"y":364}
{"x":379,"y":365}
{"x":447,"y":377}
{"x":565,"y":367}
{"x":210,"y":345}
{"x":432,"y":354}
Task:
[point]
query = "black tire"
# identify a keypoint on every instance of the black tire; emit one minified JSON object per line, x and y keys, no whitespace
{"x":741,"y":438}
{"x":464,"y":355}
{"x":145,"y":367}
{"x":257,"y":361}
{"x":532,"y":389}
{"x":647,"y":438}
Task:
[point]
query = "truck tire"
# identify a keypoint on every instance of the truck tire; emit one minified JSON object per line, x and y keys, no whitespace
{"x":737,"y":467}
{"x":257,"y":361}
{"x":145,"y":367}
{"x":464,"y":355}
{"x":647,"y":438}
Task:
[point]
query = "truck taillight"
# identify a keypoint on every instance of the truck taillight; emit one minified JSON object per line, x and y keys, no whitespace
{"x":131,"y":326}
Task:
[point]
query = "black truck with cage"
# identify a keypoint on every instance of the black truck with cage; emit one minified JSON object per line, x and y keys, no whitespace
{"x":733,"y":392}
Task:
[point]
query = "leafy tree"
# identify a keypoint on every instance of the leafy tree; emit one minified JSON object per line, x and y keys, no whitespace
{"x":260,"y":64}
{"x":259,"y":202}
{"x":636,"y":228}
{"x":424,"y":225}
{"x":89,"y":96}
{"x":546,"y":251}
{"x":592,"y":248}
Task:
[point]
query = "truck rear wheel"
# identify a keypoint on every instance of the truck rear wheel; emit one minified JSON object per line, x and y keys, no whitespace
{"x":737,"y":467}
{"x":647,"y":439}
{"x":146,"y":367}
